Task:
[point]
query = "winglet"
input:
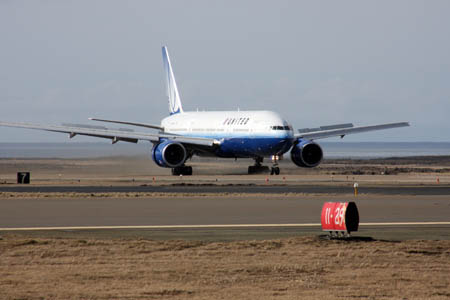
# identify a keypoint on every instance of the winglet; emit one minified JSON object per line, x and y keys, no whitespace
{"x":172,"y":89}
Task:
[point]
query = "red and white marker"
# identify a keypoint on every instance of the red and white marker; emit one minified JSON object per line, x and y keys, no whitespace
{"x":340,"y":217}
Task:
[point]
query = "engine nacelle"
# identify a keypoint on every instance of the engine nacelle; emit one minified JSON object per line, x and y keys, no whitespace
{"x":306,"y":154}
{"x":169,"y":154}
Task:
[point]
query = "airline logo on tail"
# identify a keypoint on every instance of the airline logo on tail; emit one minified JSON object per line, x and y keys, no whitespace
{"x":172,"y":90}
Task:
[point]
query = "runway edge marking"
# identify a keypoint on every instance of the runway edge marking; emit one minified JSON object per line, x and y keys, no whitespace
{"x":212,"y":226}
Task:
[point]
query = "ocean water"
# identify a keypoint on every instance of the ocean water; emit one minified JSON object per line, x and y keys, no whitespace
{"x":331,"y":149}
{"x":71,"y":150}
{"x":384,"y":149}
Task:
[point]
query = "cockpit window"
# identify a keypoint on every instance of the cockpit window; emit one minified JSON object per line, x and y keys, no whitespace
{"x":280,"y":127}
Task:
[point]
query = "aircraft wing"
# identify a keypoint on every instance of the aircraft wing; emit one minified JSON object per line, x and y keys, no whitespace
{"x":321,"y":134}
{"x":115,"y":135}
{"x":129,"y":123}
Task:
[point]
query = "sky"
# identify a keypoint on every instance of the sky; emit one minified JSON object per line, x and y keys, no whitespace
{"x":314,"y":62}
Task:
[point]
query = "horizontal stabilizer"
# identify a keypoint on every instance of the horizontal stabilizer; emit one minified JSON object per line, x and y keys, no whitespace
{"x":96,"y":127}
{"x":116,"y":134}
{"x":129,"y":123}
{"x":125,"y":129}
{"x":84,"y":126}
{"x":337,"y":126}
{"x":326,"y":127}
{"x":321,"y":134}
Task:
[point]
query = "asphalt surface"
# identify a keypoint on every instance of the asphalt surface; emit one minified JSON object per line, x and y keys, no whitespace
{"x":236,"y":188}
{"x":53,"y":212}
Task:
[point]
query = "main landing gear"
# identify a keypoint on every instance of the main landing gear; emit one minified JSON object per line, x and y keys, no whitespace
{"x":183,"y":170}
{"x":260,"y":169}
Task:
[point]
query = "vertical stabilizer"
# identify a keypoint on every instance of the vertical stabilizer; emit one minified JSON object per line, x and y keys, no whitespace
{"x":172,"y":89}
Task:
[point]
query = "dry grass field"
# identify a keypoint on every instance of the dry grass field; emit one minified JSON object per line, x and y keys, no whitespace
{"x":68,"y":265}
{"x":292,"y":268}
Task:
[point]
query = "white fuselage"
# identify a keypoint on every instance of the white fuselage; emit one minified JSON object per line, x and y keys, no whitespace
{"x":228,"y":124}
{"x":242,"y":133}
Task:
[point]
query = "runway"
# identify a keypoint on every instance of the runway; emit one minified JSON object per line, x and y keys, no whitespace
{"x":218,"y":226}
{"x":340,"y":188}
{"x":163,"y":211}
{"x":221,"y":211}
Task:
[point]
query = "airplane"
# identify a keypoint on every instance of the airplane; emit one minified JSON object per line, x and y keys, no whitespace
{"x":224,"y":134}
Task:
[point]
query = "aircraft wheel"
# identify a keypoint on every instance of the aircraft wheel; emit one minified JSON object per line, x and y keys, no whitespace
{"x":251,"y":170}
{"x":258,"y":170}
{"x":277,"y":171}
{"x":187,"y":170}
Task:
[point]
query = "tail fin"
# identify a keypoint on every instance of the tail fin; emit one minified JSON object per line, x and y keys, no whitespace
{"x":172,"y":90}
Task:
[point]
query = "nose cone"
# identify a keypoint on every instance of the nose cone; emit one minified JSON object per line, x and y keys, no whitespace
{"x":287,"y":131}
{"x":283,"y":133}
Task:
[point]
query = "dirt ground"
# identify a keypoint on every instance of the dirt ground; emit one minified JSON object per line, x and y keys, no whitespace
{"x":141,"y":170}
{"x":293,"y":268}
{"x":131,"y":266}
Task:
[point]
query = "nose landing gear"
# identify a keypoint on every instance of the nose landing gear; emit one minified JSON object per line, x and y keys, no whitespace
{"x":275,"y":170}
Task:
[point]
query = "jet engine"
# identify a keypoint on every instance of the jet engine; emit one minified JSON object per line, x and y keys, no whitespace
{"x":169,"y":154}
{"x":306,"y":154}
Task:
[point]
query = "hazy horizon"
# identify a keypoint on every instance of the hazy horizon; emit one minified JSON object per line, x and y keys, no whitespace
{"x":331,"y":150}
{"x":315,"y":63}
